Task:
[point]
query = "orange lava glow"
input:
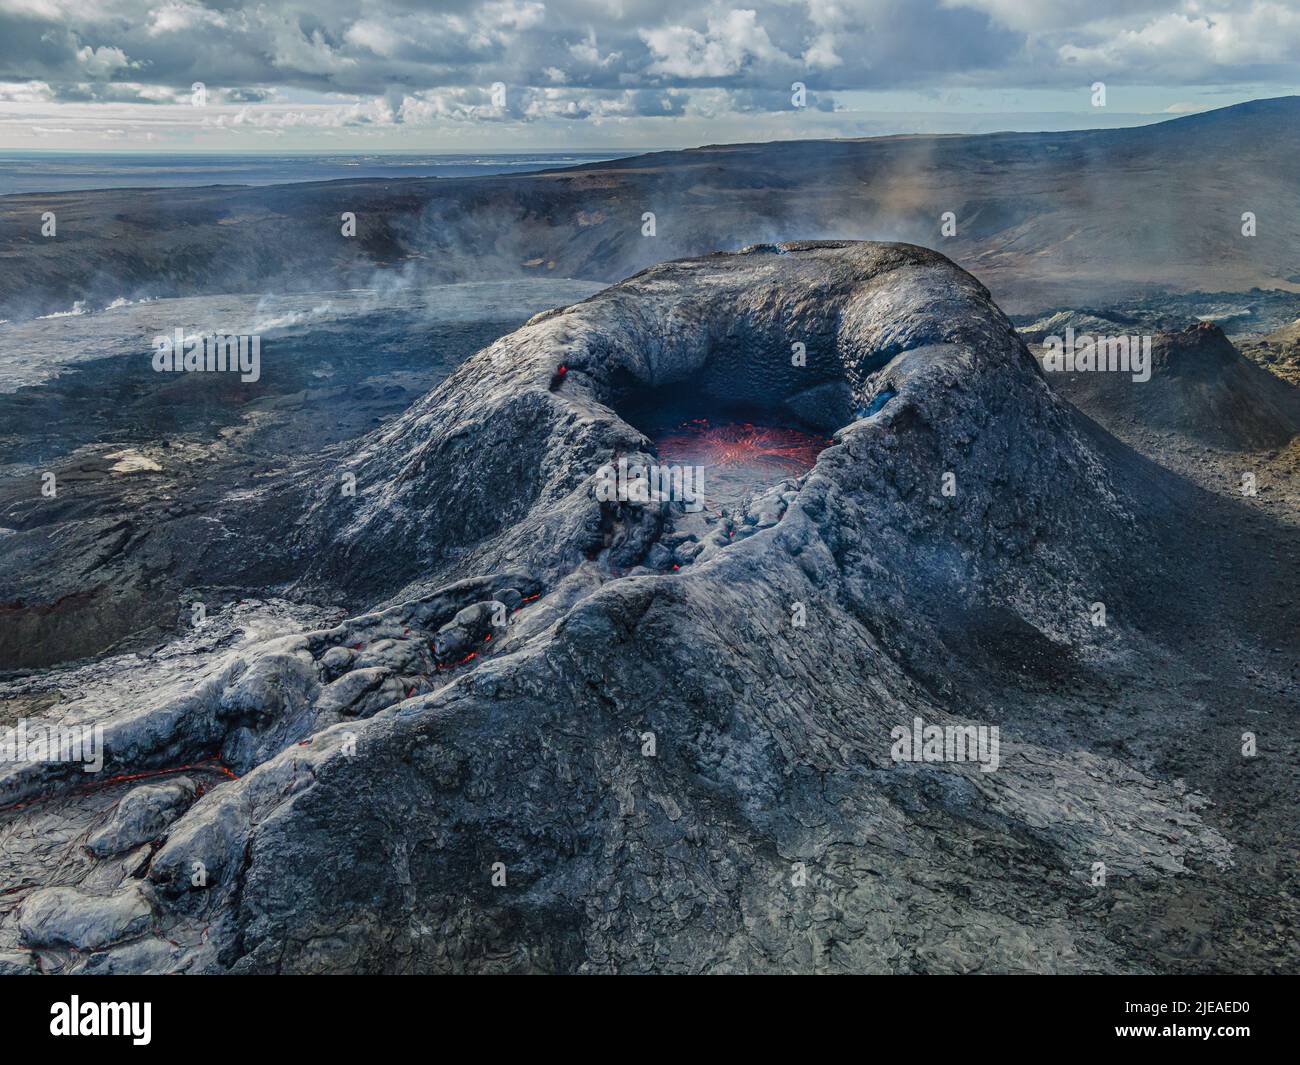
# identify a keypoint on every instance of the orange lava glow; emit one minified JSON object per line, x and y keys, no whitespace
{"x":210,"y":765}
{"x":745,"y":444}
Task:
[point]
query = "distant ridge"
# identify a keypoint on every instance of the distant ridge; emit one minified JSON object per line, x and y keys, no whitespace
{"x":1041,"y":218}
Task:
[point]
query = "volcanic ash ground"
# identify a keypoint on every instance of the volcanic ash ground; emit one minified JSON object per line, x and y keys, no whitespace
{"x":583,"y":733}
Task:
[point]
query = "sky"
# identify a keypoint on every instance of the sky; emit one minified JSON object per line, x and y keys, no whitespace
{"x":506,"y":75}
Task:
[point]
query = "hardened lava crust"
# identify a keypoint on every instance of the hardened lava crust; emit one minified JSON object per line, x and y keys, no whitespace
{"x":568,"y":734}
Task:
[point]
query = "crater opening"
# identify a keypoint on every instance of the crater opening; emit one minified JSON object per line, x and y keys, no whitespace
{"x":752,"y":395}
{"x":740,"y":449}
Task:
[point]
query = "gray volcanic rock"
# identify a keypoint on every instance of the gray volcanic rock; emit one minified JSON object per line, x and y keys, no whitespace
{"x":102,"y":567}
{"x":493,"y":469}
{"x":141,"y":815}
{"x":675,"y":753}
{"x":1201,"y":388}
{"x":1279,"y":352}
{"x":66,"y":917}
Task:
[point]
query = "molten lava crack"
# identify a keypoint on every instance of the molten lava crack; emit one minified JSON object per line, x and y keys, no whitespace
{"x":740,"y":458}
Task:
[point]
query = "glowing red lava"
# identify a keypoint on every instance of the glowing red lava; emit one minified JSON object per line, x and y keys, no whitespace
{"x":209,"y":765}
{"x":788,"y":450}
{"x":740,"y":457}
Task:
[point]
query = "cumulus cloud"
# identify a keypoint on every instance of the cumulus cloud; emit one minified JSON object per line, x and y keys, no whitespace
{"x":380,"y":63}
{"x":729,"y":43}
{"x":25,"y":92}
{"x":102,"y":62}
{"x":1258,"y":39}
{"x":370,"y":46}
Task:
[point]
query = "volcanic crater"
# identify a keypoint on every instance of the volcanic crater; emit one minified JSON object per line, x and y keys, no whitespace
{"x":650,"y":719}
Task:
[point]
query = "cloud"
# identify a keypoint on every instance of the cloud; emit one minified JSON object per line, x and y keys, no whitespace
{"x":1059,"y":15}
{"x":730,"y":43}
{"x":102,"y":62}
{"x":25,"y":92}
{"x":180,"y":16}
{"x":1257,"y":40}
{"x":374,"y":37}
{"x":372,"y":46}
{"x":384,"y":64}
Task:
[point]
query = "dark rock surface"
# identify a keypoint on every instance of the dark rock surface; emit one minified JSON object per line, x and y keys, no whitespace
{"x":155,"y":470}
{"x":651,"y":765}
{"x":1041,"y":218}
{"x":1278,"y":351}
{"x":1201,"y":389}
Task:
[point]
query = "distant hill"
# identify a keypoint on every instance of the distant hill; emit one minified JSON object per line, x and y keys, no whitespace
{"x":1279,"y":352}
{"x":1042,"y":218}
{"x":1201,"y":389}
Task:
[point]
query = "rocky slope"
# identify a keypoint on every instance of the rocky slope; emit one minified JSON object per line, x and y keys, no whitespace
{"x":613,"y":736}
{"x":1201,"y":389}
{"x":142,"y":461}
{"x":1278,"y":351}
{"x":1042,"y":218}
